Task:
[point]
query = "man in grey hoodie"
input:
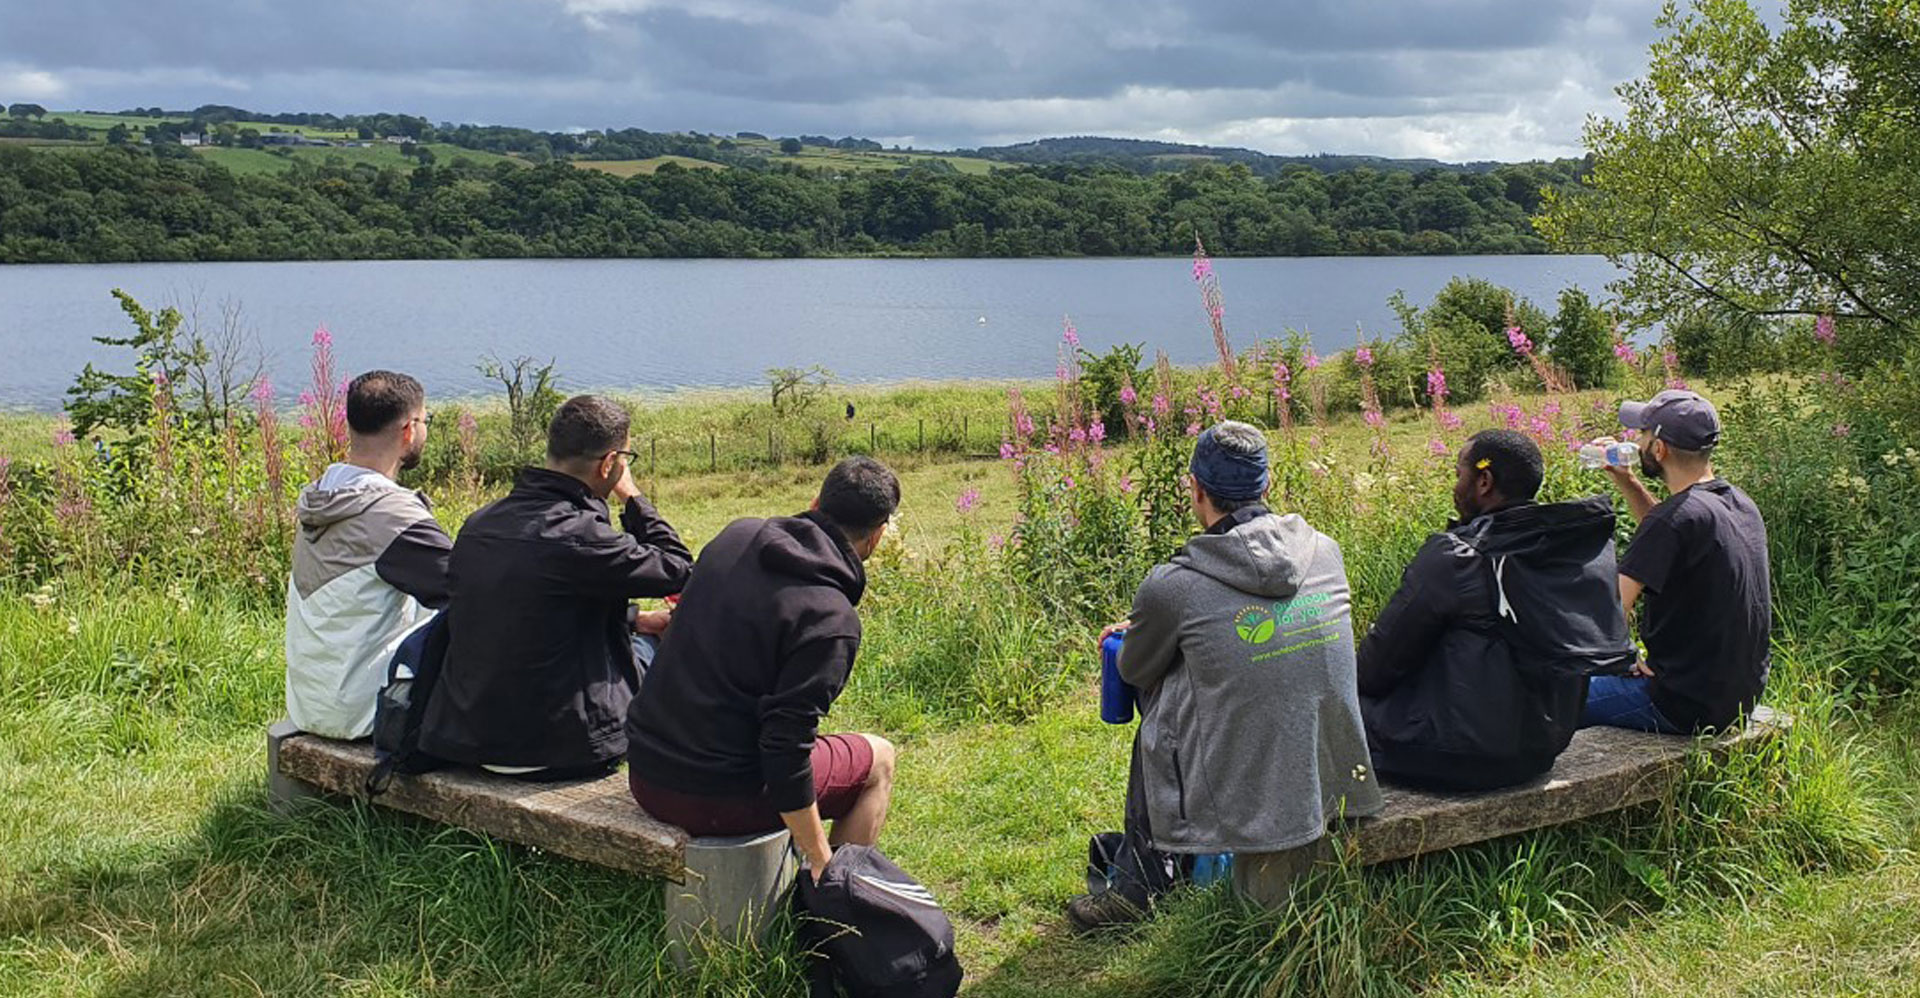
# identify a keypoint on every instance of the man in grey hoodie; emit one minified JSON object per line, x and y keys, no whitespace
{"x":369,"y":561}
{"x":1241,"y":650}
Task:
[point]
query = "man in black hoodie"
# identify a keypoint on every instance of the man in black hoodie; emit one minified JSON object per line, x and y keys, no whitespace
{"x":723,"y":736}
{"x":541,"y":652}
{"x":1474,"y":675}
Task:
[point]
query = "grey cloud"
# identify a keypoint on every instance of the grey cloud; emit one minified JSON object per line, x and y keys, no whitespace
{"x":1389,"y":76}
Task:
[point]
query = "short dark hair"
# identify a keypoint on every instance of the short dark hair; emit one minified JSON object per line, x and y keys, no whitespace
{"x":1512,"y":459}
{"x":587,"y":426}
{"x":377,"y":400}
{"x":859,"y":495}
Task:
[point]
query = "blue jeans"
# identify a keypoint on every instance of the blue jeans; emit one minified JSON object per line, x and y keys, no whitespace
{"x":644,"y":645}
{"x":1625,"y":702}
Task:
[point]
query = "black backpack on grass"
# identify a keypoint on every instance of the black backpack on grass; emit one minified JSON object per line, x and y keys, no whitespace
{"x":402,"y":704}
{"x":874,"y":931}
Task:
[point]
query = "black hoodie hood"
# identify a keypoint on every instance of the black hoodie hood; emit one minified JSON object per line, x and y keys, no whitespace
{"x":1548,"y":561}
{"x":810,"y":549}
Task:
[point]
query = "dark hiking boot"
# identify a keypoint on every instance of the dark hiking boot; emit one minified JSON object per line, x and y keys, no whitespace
{"x":1088,"y":912}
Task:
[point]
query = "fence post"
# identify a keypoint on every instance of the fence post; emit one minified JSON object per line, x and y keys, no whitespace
{"x":923,"y":434}
{"x":873,"y":440}
{"x":772,"y":458}
{"x":713,"y":454}
{"x":653,"y":456}
{"x":965,"y":437}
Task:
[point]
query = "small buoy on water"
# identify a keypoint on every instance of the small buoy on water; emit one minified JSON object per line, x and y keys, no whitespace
{"x":982,"y":320}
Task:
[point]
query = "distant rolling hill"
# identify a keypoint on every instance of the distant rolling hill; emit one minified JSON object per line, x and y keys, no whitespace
{"x":1147,"y":155}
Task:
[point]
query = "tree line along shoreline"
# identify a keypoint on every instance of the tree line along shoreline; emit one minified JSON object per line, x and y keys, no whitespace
{"x":121,"y":204}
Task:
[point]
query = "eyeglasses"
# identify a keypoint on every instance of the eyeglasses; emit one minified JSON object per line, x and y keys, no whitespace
{"x":631,"y":456}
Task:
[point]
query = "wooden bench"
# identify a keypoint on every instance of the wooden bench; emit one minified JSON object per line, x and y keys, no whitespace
{"x":1603,"y":770}
{"x":726,"y":886}
{"x":733,"y":884}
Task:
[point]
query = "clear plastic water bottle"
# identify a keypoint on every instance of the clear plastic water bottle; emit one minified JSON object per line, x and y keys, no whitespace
{"x":1624,"y":454}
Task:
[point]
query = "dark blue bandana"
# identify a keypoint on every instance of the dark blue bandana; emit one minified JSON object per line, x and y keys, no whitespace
{"x":1226,"y":474}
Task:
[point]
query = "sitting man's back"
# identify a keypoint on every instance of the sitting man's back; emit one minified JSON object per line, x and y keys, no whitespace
{"x":541,"y":656}
{"x":1474,"y":675}
{"x":723,"y":738}
{"x":369,"y":561}
{"x":1241,"y":649}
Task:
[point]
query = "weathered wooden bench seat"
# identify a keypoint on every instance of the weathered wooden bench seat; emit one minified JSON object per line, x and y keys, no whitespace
{"x":593,"y":821}
{"x":1603,"y":770}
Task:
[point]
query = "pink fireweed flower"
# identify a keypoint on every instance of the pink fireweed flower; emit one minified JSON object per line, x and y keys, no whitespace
{"x":967,"y":501}
{"x":63,"y":437}
{"x":263,"y":391}
{"x":1623,"y":350}
{"x":1437,"y":384}
{"x":996,"y":542}
{"x":1126,"y":485}
{"x":1450,"y":421}
{"x":1066,"y":481}
{"x":1006,"y":451}
{"x":1374,"y":418}
{"x":322,"y":338}
{"x":1823,"y":330}
{"x":160,"y":379}
{"x":1193,"y":429}
{"x":1097,"y":431}
{"x":1518,"y":340}
{"x":1202,"y":268}
{"x":1312,"y":361}
{"x":1160,"y":405}
{"x":1842,"y":430}
{"x":1071,"y":335}
{"x":1127,"y":395}
{"x":1363,"y":356}
{"x":1078,"y":436}
{"x":1539,"y":427}
{"x":1436,"y":447}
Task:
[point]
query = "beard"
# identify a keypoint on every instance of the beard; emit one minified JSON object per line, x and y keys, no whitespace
{"x":411,"y":459}
{"x":1650,"y":467}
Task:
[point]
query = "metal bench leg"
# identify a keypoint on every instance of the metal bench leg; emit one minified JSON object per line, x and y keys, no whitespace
{"x":284,"y":793}
{"x":733,"y":887}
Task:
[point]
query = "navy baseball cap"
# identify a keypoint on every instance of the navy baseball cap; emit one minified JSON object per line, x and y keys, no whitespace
{"x":1680,"y":417}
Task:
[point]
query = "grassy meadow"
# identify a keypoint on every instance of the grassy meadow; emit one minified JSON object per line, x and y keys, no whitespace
{"x":140,"y":663}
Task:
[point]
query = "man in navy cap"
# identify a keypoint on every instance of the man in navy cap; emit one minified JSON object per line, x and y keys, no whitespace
{"x":1241,"y":648}
{"x":1699,"y":561}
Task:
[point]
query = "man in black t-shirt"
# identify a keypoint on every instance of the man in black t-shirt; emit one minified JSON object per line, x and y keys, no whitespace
{"x":1700,"y":561}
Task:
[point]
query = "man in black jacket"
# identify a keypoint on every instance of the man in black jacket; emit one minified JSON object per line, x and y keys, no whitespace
{"x":542,"y":658}
{"x":1474,"y":675}
{"x":723,"y":737}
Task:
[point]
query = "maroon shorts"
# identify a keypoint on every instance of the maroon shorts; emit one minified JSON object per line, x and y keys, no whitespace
{"x":841,"y":765}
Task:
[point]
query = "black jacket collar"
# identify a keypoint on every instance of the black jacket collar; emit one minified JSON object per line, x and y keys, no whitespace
{"x":1239,"y":516}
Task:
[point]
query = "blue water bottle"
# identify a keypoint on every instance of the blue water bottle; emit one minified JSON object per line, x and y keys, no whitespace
{"x":1116,"y":697}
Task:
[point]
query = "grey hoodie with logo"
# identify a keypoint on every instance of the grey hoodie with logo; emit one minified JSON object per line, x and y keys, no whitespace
{"x":1242,"y":650}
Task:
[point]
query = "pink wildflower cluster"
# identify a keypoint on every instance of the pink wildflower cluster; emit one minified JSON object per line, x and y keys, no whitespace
{"x":1370,"y":400}
{"x":1283,"y":392}
{"x":1211,"y":300}
{"x":1823,"y":330}
{"x":967,"y":501}
{"x":1437,"y":394}
{"x":323,"y":408}
{"x":267,"y":425}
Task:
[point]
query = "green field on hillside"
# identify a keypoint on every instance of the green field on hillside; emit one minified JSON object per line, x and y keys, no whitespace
{"x":635,"y":167}
{"x":823,"y":157}
{"x":379,"y":154}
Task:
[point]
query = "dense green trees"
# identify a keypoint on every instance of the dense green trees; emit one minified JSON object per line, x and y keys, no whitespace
{"x":128,"y":204}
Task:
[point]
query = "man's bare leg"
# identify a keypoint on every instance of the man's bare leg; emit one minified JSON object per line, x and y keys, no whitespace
{"x":862,"y":824}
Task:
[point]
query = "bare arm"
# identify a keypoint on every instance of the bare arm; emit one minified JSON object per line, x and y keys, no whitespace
{"x":1640,"y":501}
{"x":1630,"y":589}
{"x":810,"y":837}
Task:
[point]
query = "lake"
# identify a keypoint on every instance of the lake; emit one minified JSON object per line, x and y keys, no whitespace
{"x":685,"y":323}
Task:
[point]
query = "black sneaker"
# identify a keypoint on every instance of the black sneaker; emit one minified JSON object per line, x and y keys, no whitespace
{"x":1089,"y":912}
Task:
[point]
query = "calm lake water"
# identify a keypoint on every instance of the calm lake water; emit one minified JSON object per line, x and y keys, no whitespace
{"x":683,"y":323}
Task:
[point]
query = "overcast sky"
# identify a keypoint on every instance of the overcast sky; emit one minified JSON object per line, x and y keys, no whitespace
{"x":1451,"y":79}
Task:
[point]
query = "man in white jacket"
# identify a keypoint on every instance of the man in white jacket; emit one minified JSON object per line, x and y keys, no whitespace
{"x":369,"y":562}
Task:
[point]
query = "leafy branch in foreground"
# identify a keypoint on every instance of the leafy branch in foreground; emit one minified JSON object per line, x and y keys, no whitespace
{"x":1768,"y":172}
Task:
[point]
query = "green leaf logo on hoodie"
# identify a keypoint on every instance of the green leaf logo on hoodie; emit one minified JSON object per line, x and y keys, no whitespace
{"x":1254,"y":625}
